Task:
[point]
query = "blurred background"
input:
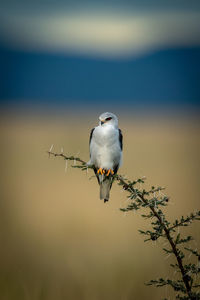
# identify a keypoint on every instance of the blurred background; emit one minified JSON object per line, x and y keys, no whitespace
{"x":63,"y":63}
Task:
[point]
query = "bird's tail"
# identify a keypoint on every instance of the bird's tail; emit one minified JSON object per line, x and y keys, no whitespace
{"x":105,"y":187}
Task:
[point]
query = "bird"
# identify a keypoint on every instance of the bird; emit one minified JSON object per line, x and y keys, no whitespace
{"x":106,"y":145}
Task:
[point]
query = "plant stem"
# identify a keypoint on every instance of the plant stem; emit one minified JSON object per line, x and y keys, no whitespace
{"x":168,"y":236}
{"x":129,"y":188}
{"x":67,"y":157}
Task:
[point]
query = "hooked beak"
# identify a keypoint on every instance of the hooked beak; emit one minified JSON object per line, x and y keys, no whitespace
{"x":102,"y":122}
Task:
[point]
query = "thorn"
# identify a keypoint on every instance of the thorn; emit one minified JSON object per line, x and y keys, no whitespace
{"x":51,"y":148}
{"x":167,"y":256}
{"x":66,"y":166}
{"x":61,"y":150}
{"x":77,"y":153}
{"x":166,"y":243}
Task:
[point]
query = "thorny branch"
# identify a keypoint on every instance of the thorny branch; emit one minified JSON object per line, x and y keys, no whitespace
{"x":161,"y":228}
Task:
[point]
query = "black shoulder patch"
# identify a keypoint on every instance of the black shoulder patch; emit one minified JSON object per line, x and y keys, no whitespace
{"x":91,"y":133}
{"x":120,"y":139}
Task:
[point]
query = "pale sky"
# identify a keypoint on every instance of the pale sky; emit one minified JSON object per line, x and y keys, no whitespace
{"x":117,"y":30}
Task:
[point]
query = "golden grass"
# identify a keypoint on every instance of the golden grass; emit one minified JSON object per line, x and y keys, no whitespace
{"x":59,"y":241}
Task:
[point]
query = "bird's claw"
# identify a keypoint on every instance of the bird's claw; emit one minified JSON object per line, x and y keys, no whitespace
{"x":101,"y":171}
{"x":110,"y":171}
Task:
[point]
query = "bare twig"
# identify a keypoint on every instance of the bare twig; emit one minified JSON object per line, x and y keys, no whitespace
{"x":161,"y":227}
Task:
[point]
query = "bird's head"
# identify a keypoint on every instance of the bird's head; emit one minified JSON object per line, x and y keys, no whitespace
{"x":108,"y":118}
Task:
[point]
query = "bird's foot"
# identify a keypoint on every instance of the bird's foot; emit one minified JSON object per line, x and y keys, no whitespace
{"x":101,"y":171}
{"x":110,"y":171}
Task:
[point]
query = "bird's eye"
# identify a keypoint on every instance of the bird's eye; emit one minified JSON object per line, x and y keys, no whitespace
{"x":108,"y":119}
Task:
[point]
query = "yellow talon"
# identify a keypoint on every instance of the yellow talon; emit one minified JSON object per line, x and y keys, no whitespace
{"x":110,"y":171}
{"x":100,"y":171}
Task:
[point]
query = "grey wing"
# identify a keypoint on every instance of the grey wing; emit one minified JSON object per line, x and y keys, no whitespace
{"x":121,"y":147}
{"x":91,"y":133}
{"x":120,"y":139}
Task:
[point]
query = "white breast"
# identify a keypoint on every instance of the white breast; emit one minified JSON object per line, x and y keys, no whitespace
{"x":105,"y":148}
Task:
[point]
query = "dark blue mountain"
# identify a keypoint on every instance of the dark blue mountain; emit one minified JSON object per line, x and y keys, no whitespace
{"x":169,"y":76}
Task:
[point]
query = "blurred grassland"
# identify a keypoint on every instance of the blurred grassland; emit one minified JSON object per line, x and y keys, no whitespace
{"x":58,"y":240}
